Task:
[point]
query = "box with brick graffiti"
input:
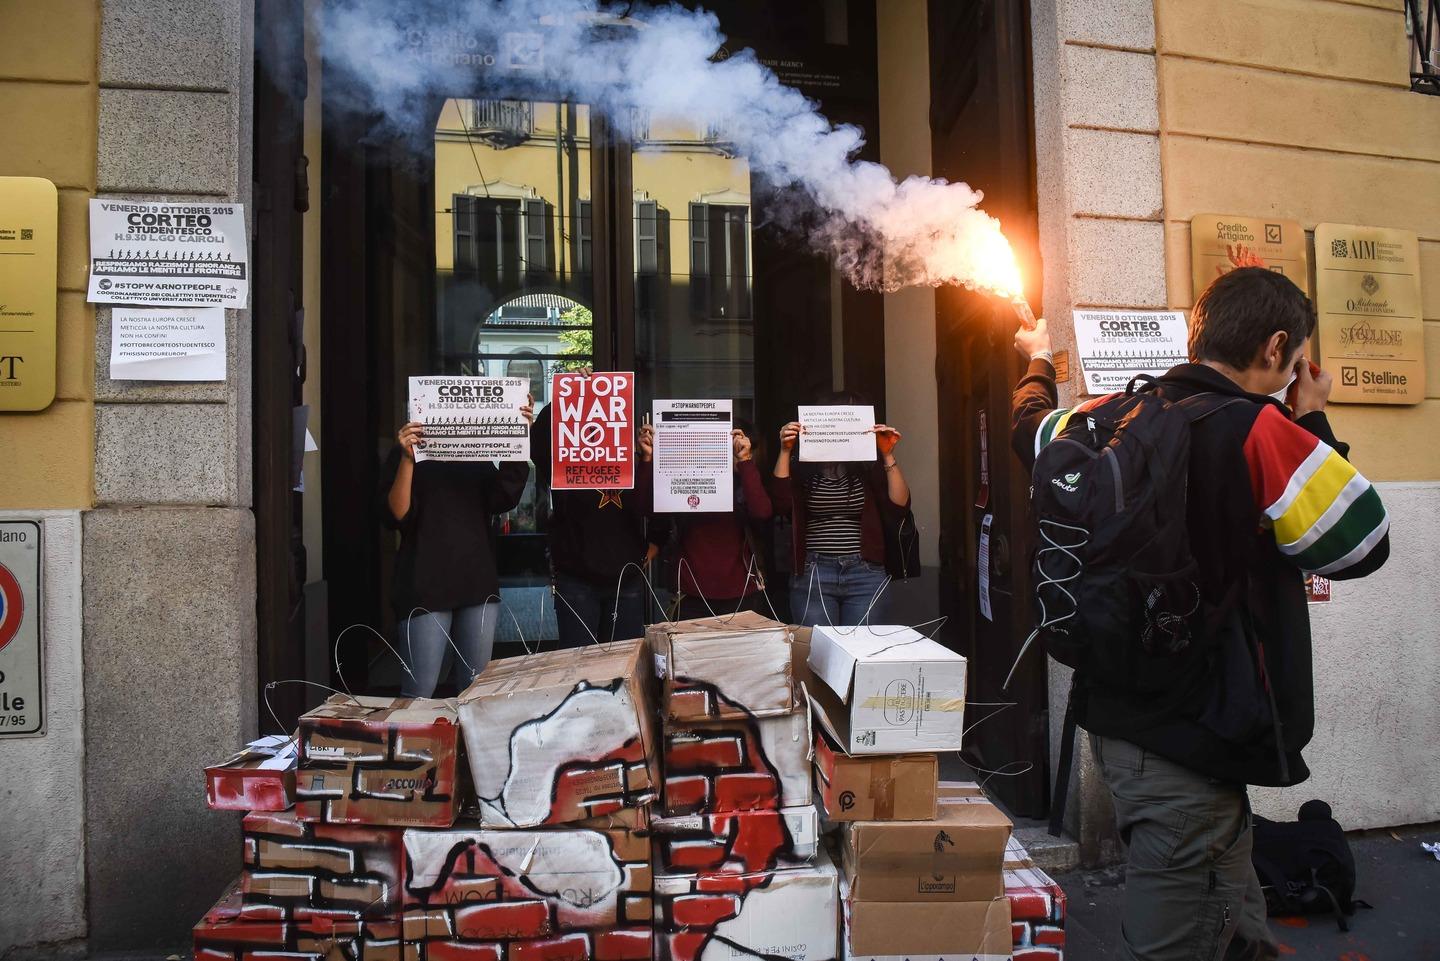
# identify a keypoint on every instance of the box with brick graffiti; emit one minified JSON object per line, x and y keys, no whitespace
{"x":741,"y":842}
{"x":379,"y":760}
{"x":918,"y":931}
{"x":260,"y":777}
{"x":723,"y":668}
{"x":887,"y":690}
{"x":880,"y":787}
{"x":791,"y":913}
{"x":549,"y":894}
{"x":956,"y":857}
{"x":235,"y":931}
{"x":562,"y":736}
{"x":1037,"y":908}
{"x":316,"y":871}
{"x":754,"y":764}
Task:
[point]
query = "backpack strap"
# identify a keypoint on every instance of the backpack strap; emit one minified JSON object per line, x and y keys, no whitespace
{"x":1067,"y":759}
{"x":1197,"y":407}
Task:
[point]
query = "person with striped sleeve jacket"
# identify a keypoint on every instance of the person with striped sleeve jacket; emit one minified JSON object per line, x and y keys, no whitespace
{"x":1271,"y":497}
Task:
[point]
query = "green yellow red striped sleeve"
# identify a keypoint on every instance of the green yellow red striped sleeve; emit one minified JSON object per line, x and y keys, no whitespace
{"x":1326,"y":517}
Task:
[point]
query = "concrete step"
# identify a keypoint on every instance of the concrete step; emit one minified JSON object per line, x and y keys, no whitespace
{"x":1050,"y":854}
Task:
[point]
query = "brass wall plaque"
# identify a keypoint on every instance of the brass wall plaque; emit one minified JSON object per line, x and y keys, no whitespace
{"x":1367,"y":291}
{"x":1220,"y":242}
{"x":28,"y":235}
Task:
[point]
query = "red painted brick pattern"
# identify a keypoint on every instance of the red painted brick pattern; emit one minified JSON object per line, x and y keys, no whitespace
{"x":503,"y":922}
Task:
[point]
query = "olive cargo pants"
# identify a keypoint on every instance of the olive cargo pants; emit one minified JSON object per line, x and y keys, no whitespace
{"x":1191,"y":893}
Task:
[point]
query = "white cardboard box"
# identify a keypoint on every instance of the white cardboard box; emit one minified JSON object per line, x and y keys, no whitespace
{"x":888,"y":689}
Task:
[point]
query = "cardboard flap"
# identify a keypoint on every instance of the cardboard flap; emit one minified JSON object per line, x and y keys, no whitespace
{"x":831,"y":661}
{"x":598,"y":664}
{"x":386,"y":710}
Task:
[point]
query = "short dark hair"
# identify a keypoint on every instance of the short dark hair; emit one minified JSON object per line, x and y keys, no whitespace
{"x":1241,"y":310}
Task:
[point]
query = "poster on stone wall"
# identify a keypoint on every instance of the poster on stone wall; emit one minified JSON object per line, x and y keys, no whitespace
{"x":168,"y":254}
{"x":1116,"y":345}
{"x":1367,"y":293}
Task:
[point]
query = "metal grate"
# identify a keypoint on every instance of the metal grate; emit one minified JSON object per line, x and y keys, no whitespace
{"x":1422,"y":23}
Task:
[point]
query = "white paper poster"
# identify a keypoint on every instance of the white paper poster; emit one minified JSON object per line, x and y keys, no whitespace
{"x":982,"y":566}
{"x":1116,"y":345}
{"x":471,"y":418}
{"x":182,"y":343}
{"x":837,"y":433}
{"x":168,"y":254}
{"x":694,"y":454}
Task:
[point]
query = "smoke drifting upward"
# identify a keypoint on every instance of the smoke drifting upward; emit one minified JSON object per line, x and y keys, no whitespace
{"x":396,"y":57}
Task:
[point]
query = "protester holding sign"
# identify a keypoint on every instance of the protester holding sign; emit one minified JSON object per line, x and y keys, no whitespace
{"x":850,"y":521}
{"x":717,"y":567}
{"x":446,"y":589}
{"x":600,"y":542}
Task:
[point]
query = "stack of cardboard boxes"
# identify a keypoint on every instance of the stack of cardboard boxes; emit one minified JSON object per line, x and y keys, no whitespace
{"x":921,"y":863}
{"x":738,"y":867}
{"x":644,"y":799}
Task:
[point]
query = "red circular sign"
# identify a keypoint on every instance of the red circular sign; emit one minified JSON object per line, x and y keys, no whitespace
{"x":12,"y":606}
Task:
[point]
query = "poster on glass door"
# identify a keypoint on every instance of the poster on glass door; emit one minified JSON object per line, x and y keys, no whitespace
{"x":471,"y":418}
{"x":694,"y":456}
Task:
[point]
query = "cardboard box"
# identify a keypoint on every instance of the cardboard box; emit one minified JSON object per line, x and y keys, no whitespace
{"x":259,"y":777}
{"x":234,"y":931}
{"x":379,"y":760}
{"x":791,"y":914}
{"x":740,"y":765}
{"x":888,"y":690}
{"x":723,"y":668}
{"x":562,"y":736}
{"x":478,"y":884}
{"x":968,"y":930}
{"x":742,"y":842}
{"x":312,"y":870}
{"x":881,"y":787}
{"x":1037,"y":907}
{"x":951,"y":790}
{"x":956,"y":857}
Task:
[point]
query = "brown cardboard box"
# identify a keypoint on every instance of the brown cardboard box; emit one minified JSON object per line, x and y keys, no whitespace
{"x":952,"y":790}
{"x":260,"y":777}
{"x":956,"y":857}
{"x":978,"y":930}
{"x":379,"y":760}
{"x":880,"y":787}
{"x":562,"y":736}
{"x":723,"y":668}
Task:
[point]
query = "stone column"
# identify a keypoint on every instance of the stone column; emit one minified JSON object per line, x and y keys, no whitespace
{"x":1102,"y":236}
{"x":169,"y":556}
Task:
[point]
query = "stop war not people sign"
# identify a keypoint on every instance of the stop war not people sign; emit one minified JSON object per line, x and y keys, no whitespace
{"x":592,"y":444}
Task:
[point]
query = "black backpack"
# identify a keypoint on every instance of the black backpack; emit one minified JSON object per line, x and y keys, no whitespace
{"x":1306,"y":866}
{"x":1115,"y":582}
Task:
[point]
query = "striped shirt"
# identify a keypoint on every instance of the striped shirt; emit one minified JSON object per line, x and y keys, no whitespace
{"x":833,"y":511}
{"x":1325,"y":516}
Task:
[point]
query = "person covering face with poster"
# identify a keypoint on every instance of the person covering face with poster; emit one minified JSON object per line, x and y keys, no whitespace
{"x":601,"y":543}
{"x":853,"y":529}
{"x":717,"y":566}
{"x":446,"y":589}
{"x":1179,"y":732}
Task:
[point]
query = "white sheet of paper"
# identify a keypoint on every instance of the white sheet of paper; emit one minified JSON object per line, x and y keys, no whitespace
{"x":471,"y":418}
{"x":982,"y":565}
{"x":1116,"y":345}
{"x":837,"y":434}
{"x":168,"y":254}
{"x":694,"y":469}
{"x":175,"y":343}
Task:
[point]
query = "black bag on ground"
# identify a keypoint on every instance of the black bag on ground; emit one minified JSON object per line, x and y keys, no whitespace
{"x":1306,"y":866}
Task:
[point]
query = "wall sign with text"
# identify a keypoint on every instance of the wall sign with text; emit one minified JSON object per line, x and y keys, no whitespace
{"x":22,"y":659}
{"x":1221,"y":242}
{"x":1367,"y":293}
{"x":29,"y":229}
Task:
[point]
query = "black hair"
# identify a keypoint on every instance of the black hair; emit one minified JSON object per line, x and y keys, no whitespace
{"x":1240,"y":311}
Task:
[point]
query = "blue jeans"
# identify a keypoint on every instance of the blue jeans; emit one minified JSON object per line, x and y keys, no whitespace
{"x":586,"y":612}
{"x":426,"y":646}
{"x":838,"y":590}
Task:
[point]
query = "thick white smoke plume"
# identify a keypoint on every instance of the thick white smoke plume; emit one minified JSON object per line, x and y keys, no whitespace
{"x":883,"y":233}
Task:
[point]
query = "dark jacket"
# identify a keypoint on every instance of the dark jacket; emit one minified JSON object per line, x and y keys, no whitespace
{"x":790,"y":499}
{"x":593,"y":535}
{"x":1253,"y":538}
{"x":446,"y":558}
